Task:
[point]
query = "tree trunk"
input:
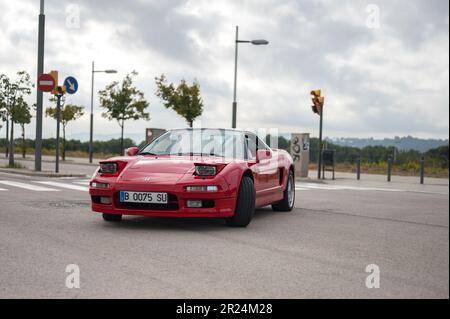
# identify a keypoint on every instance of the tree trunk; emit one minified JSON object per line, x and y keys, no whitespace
{"x":121,"y":138}
{"x":64,"y":143}
{"x":7,"y":138}
{"x":24,"y":147}
{"x":11,"y":145}
{"x":191,"y":123}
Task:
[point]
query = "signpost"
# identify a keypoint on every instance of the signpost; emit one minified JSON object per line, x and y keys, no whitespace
{"x":49,"y":83}
{"x":317,"y":107}
{"x":46,"y":83}
{"x":71,"y":85}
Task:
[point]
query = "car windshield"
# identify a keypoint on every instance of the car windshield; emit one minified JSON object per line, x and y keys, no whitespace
{"x":204,"y":142}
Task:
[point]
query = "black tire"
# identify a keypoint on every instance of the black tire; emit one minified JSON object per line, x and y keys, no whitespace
{"x":245,"y":206}
{"x":112,"y":217}
{"x":287,"y":203}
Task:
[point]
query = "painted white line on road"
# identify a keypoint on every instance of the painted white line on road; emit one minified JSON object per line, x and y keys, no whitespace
{"x":86,"y":182}
{"x":29,"y":186}
{"x":343,"y":187}
{"x":64,"y":185}
{"x":3,"y":190}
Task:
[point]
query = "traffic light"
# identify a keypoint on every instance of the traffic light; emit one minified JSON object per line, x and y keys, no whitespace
{"x":318,"y":101}
{"x":54,"y":75}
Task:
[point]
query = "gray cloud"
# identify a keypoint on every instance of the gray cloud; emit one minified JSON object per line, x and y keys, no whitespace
{"x":378,"y":82}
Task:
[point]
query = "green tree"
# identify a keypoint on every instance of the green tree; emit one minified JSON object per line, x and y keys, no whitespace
{"x":12,"y":93}
{"x":21,"y":115}
{"x":123,"y":102}
{"x":185,"y":99}
{"x":68,"y":113}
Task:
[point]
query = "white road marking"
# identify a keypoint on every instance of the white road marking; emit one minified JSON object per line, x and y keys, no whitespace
{"x":64,"y":185}
{"x":82,"y":182}
{"x":343,"y":187}
{"x":2,"y":189}
{"x":29,"y":186}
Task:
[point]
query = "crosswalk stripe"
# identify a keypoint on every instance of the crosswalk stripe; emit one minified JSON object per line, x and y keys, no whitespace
{"x":64,"y":185}
{"x":28,"y":186}
{"x":82,"y":182}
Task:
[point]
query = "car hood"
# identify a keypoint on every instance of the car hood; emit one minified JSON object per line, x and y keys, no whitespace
{"x":170,"y":169}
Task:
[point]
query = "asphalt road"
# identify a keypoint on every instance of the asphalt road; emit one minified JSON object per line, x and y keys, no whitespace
{"x":319,"y":250}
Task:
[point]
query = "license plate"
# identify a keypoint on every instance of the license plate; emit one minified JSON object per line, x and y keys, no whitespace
{"x":143,"y":197}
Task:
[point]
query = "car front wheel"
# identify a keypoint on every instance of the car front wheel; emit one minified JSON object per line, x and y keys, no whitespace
{"x":287,"y":203}
{"x":245,"y":206}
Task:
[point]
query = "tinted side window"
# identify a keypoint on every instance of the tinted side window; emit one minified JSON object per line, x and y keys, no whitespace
{"x":254,"y":143}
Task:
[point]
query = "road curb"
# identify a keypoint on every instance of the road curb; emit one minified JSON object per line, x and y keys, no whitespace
{"x":69,"y":162}
{"x":41,"y":174}
{"x":309,"y":180}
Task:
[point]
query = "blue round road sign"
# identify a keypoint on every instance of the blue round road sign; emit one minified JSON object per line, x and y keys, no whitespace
{"x":71,"y":85}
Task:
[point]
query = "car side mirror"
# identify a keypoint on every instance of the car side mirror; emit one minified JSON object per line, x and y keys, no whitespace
{"x":132,"y":151}
{"x":263,"y":154}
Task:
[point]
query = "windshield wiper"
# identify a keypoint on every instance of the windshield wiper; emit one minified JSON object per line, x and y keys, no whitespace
{"x":200,"y":154}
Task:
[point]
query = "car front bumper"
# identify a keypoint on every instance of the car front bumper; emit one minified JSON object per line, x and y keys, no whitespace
{"x":219,"y":204}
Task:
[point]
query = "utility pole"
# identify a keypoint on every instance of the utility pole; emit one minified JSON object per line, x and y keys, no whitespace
{"x":58,"y":121}
{"x":234,"y":110}
{"x":91,"y":130}
{"x":39,"y":98}
{"x":320,"y":142}
{"x":237,"y":41}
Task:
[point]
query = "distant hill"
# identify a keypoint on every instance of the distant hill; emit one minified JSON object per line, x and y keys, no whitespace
{"x":401,"y":143}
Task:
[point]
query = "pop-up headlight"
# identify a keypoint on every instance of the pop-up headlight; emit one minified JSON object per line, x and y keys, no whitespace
{"x":205,"y":170}
{"x":108,"y":168}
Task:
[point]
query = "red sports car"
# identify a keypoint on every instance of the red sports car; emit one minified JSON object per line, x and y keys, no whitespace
{"x":195,"y":173}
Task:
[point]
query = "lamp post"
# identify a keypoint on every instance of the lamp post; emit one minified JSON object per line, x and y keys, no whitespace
{"x":91,"y":132}
{"x":39,"y":96}
{"x":254,"y":42}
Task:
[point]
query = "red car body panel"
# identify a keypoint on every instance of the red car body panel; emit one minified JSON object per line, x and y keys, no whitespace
{"x":172,"y":174}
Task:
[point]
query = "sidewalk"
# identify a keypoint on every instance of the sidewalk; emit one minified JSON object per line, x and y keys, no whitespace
{"x":75,"y":167}
{"x":410,"y":183}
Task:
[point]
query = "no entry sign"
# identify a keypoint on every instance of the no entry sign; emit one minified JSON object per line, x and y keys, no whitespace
{"x":46,"y":83}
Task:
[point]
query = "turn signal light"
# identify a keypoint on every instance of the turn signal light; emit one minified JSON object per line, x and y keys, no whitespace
{"x":206,"y":188}
{"x":99,"y":185}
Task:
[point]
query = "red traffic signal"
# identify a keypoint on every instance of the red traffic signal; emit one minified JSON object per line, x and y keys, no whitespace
{"x":318,"y":101}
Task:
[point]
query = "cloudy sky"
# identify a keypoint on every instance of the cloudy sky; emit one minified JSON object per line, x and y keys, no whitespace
{"x":382,"y":65}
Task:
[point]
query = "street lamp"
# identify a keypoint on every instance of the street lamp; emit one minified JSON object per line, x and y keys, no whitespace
{"x":39,"y":93}
{"x":92,"y":108}
{"x":254,"y":42}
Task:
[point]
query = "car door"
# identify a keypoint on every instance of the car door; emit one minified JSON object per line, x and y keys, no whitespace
{"x":265,"y":172}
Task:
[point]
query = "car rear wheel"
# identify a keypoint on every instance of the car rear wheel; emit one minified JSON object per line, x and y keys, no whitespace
{"x":112,"y":217}
{"x":287,"y":203}
{"x":245,"y":206}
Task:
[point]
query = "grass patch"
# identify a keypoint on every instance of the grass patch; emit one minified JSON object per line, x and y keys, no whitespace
{"x":15,"y":165}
